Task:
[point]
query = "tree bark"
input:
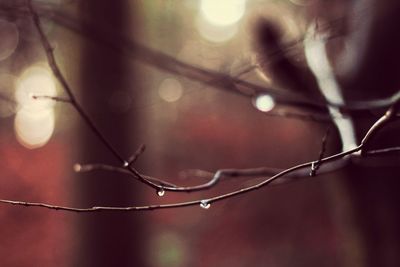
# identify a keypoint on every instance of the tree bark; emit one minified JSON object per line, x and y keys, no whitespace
{"x":106,"y":239}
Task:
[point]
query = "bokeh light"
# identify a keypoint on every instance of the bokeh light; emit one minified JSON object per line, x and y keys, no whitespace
{"x":167,"y":249}
{"x":170,"y":90}
{"x":34,"y":122}
{"x":222,"y":12}
{"x":264,"y":103}
{"x":216,"y":34}
{"x":34,"y":129}
{"x":35,"y":81}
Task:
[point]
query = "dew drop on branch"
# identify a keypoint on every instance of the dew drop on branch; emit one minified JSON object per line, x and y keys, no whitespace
{"x":126,"y":164}
{"x":160,"y":192}
{"x":204,"y":204}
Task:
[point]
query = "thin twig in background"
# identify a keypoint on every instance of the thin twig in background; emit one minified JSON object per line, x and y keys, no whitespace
{"x":164,"y":62}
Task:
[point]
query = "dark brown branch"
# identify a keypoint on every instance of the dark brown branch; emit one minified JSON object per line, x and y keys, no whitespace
{"x":389,"y":116}
{"x":206,"y":202}
{"x":203,"y":202}
{"x":135,"y":155}
{"x":315,"y":166}
{"x":82,"y":113}
{"x":54,"y":98}
{"x":378,"y":152}
{"x":109,"y":168}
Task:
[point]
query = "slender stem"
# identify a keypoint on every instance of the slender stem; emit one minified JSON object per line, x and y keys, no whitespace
{"x":60,"y":77}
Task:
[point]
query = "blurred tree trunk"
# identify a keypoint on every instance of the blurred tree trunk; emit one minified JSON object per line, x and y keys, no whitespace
{"x":370,"y":70}
{"x":106,"y":239}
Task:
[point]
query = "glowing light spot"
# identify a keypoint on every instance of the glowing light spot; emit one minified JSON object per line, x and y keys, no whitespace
{"x":222,"y":12}
{"x":170,"y":90}
{"x":35,"y":120}
{"x":216,"y":34}
{"x":264,"y":103}
{"x":77,"y":167}
{"x":34,"y":129}
{"x":35,"y":81}
{"x":168,"y":249}
{"x":9,"y":38}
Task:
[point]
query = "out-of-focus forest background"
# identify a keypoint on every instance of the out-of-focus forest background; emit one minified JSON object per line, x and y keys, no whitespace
{"x":184,"y":124}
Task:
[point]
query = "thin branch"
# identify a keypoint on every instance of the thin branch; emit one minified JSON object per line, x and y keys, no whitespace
{"x":265,"y":171}
{"x":54,"y":98}
{"x":204,"y":202}
{"x":315,"y":166}
{"x":378,"y":152}
{"x":104,"y":167}
{"x":299,"y":116}
{"x":390,"y":116}
{"x":135,"y":155}
{"x":60,"y":77}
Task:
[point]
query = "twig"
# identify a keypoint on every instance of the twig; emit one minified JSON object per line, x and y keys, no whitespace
{"x":316,"y":164}
{"x":389,"y":116}
{"x":381,"y":151}
{"x":60,"y":77}
{"x":54,"y":98}
{"x":110,"y":168}
{"x":204,"y":202}
{"x":135,"y":155}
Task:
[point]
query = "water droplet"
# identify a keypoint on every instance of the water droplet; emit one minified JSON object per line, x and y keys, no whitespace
{"x":313,"y":169}
{"x":204,"y":204}
{"x":160,"y":192}
{"x":126,"y":164}
{"x":77,"y":167}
